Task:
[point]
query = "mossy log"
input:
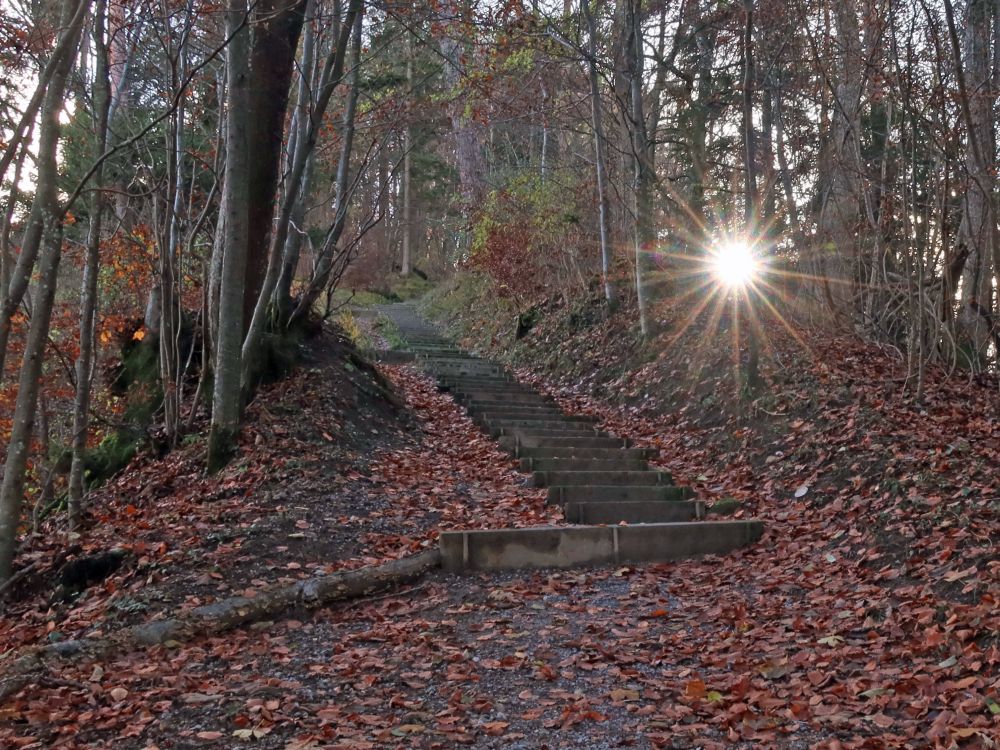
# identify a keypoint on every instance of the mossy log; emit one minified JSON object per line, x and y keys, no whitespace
{"x":19,"y":670}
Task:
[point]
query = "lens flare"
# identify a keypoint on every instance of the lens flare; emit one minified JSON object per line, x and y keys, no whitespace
{"x":735,"y":264}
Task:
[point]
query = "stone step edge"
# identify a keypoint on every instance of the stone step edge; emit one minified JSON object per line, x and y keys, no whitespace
{"x":580,"y":546}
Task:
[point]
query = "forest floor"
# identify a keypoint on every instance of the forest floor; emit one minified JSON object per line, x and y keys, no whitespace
{"x":866,"y":617}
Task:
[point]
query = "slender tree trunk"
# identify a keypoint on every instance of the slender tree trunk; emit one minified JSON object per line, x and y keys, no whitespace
{"x":170,"y":295}
{"x":644,"y":177}
{"x":88,"y":292}
{"x":49,"y":214}
{"x":465,"y":130}
{"x":326,"y":261}
{"x":977,"y":228}
{"x":405,"y":264}
{"x":751,"y":205}
{"x":610,"y":295}
{"x":835,"y":254}
{"x":786,"y":175}
{"x":228,"y":361}
{"x":57,"y":72}
{"x":6,"y":258}
{"x":297,"y":150}
{"x":61,"y":59}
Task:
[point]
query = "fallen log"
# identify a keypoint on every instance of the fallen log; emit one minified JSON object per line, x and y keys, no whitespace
{"x":16,"y":671}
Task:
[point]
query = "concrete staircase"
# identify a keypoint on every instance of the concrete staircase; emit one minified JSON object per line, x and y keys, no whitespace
{"x":600,"y":480}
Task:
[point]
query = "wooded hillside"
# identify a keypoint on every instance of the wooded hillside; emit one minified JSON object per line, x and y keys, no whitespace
{"x":763,"y":222}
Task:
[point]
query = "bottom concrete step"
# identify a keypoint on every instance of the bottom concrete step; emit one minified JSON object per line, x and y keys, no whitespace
{"x":560,"y":495}
{"x":631,"y":511}
{"x":599,"y":478}
{"x":516,"y":442}
{"x":570,"y":546}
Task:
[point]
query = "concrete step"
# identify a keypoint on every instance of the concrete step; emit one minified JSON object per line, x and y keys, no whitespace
{"x":544,"y":411}
{"x":632,"y":511}
{"x":592,"y":478}
{"x":562,"y":494}
{"x":515,"y":412}
{"x":538,"y":424}
{"x":502,"y":378}
{"x":446,"y":362}
{"x":583,"y":464}
{"x":515,"y":443}
{"x":513,"y":397}
{"x":540,"y":405}
{"x":494,"y":384}
{"x":570,"y":546}
{"x":460,"y":367}
{"x":497,"y":385}
{"x":606,"y":453}
{"x":499,"y":418}
{"x":498,"y":391}
{"x":493,"y":420}
{"x":527,"y":433}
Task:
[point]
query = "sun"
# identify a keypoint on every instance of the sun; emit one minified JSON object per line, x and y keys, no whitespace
{"x":735,"y":264}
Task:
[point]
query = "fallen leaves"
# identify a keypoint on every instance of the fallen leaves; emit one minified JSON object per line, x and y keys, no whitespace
{"x":866,"y":618}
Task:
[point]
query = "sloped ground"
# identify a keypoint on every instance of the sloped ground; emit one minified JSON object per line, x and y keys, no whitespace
{"x":332,"y":475}
{"x":871,"y":607}
{"x":866,"y":617}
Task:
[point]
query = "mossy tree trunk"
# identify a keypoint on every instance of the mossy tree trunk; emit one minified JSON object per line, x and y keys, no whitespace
{"x":228,"y":361}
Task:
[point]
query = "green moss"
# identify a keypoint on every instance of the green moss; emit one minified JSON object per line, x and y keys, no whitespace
{"x":405,"y":288}
{"x":222,"y":444}
{"x":357,"y":297}
{"x":725,"y":506}
{"x":385,"y":326}
{"x":279,"y":353}
{"x":111,"y":455}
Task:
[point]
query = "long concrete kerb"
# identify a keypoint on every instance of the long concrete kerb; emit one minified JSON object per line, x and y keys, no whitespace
{"x":570,"y":546}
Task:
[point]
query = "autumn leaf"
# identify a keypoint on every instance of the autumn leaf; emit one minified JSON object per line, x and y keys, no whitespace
{"x":695,"y":689}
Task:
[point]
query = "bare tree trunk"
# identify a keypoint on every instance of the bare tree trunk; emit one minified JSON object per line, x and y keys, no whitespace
{"x":786,"y":175}
{"x":977,"y":228}
{"x":630,"y":24}
{"x":332,"y":73}
{"x":6,"y":259}
{"x":293,"y":242}
{"x":228,"y":361}
{"x":49,"y":215}
{"x":751,"y":204}
{"x":169,"y":297}
{"x":218,"y":241}
{"x":326,"y":261}
{"x":88,"y":293}
{"x":278,"y":24}
{"x":597,"y":119}
{"x":31,"y":242}
{"x":465,"y":130}
{"x":405,"y":263}
{"x":836,"y":248}
{"x":61,"y":58}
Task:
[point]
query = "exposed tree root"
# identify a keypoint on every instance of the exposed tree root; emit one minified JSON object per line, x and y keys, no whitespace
{"x":16,"y":671}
